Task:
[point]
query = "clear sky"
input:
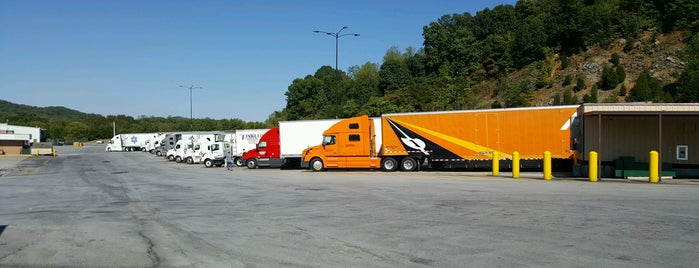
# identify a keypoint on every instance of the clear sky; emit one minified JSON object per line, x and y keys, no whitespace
{"x":132,"y":57}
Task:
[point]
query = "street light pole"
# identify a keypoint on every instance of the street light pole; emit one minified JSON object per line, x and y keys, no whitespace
{"x":191,"y":118}
{"x":337,"y":36}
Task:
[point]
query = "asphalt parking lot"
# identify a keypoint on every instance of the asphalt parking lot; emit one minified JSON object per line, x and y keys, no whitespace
{"x":90,"y":208}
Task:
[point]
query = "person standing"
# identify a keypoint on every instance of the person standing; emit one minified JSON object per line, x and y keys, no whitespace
{"x":229,"y":161}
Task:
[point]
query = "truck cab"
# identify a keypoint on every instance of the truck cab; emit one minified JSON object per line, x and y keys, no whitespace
{"x":177,"y":153}
{"x":214,"y":154}
{"x":349,"y":143}
{"x":266,"y":152}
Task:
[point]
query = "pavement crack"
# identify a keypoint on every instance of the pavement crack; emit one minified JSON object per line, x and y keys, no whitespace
{"x":155,"y":259}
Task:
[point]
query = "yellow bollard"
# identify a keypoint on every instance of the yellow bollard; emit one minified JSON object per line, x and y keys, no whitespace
{"x":496,"y":163}
{"x":653,"y":167}
{"x":515,"y":165}
{"x":547,"y":165}
{"x":592,"y":173}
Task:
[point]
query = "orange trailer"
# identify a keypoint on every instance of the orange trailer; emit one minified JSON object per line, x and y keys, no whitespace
{"x":453,"y":139}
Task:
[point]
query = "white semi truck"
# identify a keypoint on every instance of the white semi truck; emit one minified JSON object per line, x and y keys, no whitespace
{"x":208,"y":152}
{"x":186,"y":143}
{"x":129,"y":142}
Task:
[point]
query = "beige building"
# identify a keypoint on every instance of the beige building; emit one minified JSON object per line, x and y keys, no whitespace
{"x":623,"y":134}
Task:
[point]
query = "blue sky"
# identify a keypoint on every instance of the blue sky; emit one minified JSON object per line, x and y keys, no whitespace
{"x":131,"y":57}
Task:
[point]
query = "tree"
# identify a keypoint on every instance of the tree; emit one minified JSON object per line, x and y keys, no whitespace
{"x":519,"y":95}
{"x":688,"y":83}
{"x":647,"y":88}
{"x":366,"y":83}
{"x":529,"y":42}
{"x":76,"y":130}
{"x":394,"y":74}
{"x":569,"y":98}
{"x":309,"y":98}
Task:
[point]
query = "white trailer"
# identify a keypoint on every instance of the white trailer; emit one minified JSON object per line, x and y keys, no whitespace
{"x":295,"y":136}
{"x":243,"y":140}
{"x":129,"y":142}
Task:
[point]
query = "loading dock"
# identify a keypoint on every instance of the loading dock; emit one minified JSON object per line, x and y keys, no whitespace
{"x":623,"y":134}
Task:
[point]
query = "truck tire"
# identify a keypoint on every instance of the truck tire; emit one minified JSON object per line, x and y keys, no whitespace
{"x":109,"y":149}
{"x":208,"y":163}
{"x":408,"y":164}
{"x":158,"y":153}
{"x":317,"y":164}
{"x":178,"y":159}
{"x":251,"y":163}
{"x":389,"y":164}
{"x":190,"y":160}
{"x":171,"y":157}
{"x":238,"y":162}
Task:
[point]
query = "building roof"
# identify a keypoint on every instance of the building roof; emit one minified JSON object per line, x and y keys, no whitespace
{"x":638,"y":108}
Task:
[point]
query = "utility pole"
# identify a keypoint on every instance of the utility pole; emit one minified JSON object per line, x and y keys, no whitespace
{"x":191,"y":118}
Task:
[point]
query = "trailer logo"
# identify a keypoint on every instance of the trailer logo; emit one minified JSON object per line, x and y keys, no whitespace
{"x":134,"y":139}
{"x":414,"y":143}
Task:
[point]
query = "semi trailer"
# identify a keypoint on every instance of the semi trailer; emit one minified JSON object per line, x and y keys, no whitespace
{"x":130,"y":142}
{"x":443,"y":140}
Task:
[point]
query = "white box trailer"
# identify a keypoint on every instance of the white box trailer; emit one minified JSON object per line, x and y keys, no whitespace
{"x":295,"y":136}
{"x":243,"y":140}
{"x":129,"y":142}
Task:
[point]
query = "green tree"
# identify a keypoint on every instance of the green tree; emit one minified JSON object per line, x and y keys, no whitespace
{"x":579,"y":84}
{"x":647,"y":88}
{"x":529,"y":42}
{"x":519,"y":95}
{"x":76,"y":130}
{"x":394,"y":74}
{"x":366,"y":83}
{"x":569,"y":98}
{"x":688,"y":83}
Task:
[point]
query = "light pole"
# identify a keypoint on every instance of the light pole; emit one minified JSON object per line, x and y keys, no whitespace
{"x":191,"y":119}
{"x":337,"y":36}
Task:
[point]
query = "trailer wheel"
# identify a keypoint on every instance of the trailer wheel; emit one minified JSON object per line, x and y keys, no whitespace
{"x":208,"y":163}
{"x":238,"y":162}
{"x":408,"y":164}
{"x":171,"y":157}
{"x":178,"y":159}
{"x":158,"y":153}
{"x":389,"y":164}
{"x":251,"y":163}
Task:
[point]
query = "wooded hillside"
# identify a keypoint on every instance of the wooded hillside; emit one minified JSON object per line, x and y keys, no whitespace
{"x":532,"y":54}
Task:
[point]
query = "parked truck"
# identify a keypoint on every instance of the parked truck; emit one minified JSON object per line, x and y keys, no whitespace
{"x":129,"y":142}
{"x":211,"y":153}
{"x":453,"y":139}
{"x":170,"y":140}
{"x":243,"y":140}
{"x":266,"y":152}
{"x":282,"y":146}
{"x":186,"y":143}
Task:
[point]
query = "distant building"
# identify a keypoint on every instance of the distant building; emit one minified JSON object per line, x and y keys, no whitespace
{"x":18,"y":139}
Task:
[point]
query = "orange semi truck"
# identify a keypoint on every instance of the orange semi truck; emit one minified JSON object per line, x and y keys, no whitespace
{"x":452,"y":139}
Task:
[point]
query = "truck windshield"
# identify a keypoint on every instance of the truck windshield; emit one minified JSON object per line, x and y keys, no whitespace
{"x":214,"y":147}
{"x":328,"y":140}
{"x":263,"y":144}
